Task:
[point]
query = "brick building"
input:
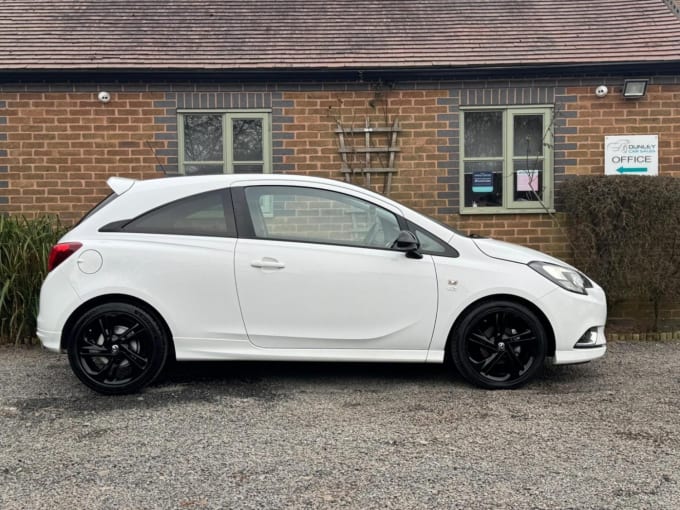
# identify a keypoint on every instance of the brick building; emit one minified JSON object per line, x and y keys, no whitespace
{"x":495,"y":101}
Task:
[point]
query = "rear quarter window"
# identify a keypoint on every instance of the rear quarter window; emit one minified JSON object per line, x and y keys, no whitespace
{"x":205,"y":214}
{"x":99,"y":207}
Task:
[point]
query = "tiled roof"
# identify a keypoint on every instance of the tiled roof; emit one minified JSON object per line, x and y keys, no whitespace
{"x":290,"y":34}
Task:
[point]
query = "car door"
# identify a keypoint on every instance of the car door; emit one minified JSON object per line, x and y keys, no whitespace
{"x":314,"y":270}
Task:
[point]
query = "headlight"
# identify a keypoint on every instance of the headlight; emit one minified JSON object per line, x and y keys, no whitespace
{"x":563,"y":276}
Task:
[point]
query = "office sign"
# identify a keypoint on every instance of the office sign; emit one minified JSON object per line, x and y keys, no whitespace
{"x":631,"y":155}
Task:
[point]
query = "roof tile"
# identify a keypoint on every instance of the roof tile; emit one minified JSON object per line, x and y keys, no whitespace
{"x":285,"y":34}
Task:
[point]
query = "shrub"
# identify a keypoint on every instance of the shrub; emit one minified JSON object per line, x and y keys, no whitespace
{"x":24,"y":247}
{"x":625,"y":233}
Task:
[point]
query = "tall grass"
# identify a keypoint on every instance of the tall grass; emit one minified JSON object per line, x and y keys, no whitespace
{"x":24,"y":247}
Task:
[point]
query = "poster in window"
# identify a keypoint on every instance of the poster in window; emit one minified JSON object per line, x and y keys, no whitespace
{"x":482,"y":182}
{"x":527,"y":180}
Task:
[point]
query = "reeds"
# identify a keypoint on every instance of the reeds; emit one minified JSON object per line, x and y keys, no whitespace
{"x":24,"y":248}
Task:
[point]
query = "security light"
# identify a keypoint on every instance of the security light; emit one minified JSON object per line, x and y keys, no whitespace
{"x":633,"y":89}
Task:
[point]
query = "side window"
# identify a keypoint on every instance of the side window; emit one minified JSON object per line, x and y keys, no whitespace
{"x":315,"y":215}
{"x":206,"y":214}
{"x":428,"y":243}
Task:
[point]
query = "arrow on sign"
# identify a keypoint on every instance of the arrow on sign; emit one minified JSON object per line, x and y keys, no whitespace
{"x":624,"y":170}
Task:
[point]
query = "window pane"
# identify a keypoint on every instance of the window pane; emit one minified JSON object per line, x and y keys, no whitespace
{"x":247,"y":138}
{"x":248,"y":169}
{"x":483,"y":183}
{"x":203,"y":138}
{"x":203,"y":169}
{"x":201,"y":215}
{"x":528,"y":181}
{"x":428,"y":243}
{"x":483,"y":134}
{"x":313,"y":215}
{"x":528,"y":135}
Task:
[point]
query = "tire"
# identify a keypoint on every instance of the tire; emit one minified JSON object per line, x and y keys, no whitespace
{"x":499,"y":345}
{"x":117,"y":348}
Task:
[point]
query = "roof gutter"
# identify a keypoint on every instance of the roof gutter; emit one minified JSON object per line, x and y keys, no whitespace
{"x":356,"y":74}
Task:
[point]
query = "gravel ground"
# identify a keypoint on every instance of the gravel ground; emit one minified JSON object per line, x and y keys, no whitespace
{"x":282,"y":435}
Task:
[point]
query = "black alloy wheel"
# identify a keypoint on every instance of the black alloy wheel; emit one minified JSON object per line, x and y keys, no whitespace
{"x":117,"y":348}
{"x":499,"y":345}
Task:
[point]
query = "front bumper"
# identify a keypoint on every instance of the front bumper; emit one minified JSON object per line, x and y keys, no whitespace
{"x":572,"y":317}
{"x":578,"y":355}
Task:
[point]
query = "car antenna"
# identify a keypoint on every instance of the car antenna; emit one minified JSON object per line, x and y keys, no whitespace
{"x":165,"y":173}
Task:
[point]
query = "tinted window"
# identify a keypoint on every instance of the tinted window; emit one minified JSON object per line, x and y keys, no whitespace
{"x":316,"y":215}
{"x":207,"y":214}
{"x":110,"y":198}
{"x":429,"y":243}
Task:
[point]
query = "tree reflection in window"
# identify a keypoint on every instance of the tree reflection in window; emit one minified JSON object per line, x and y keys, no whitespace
{"x":224,"y":142}
{"x":247,"y":139}
{"x":203,"y":138}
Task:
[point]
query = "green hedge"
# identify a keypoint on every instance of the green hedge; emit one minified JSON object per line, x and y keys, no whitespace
{"x":625,"y":233}
{"x":24,"y":247}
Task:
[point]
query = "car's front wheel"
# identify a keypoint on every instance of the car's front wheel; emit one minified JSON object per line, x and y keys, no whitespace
{"x":499,"y":345}
{"x":117,"y":348}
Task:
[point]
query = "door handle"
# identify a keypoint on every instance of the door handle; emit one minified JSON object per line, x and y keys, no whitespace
{"x":268,"y":263}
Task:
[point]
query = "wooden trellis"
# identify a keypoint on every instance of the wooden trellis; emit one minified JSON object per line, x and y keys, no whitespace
{"x":347,"y":138}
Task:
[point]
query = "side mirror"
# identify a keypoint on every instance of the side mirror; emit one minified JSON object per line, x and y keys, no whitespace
{"x":408,"y":242}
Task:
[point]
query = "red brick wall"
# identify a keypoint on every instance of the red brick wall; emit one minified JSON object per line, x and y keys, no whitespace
{"x":61,"y":147}
{"x":315,"y":143}
{"x":656,"y":113}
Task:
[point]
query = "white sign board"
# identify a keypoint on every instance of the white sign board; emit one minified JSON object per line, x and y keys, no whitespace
{"x":631,"y":155}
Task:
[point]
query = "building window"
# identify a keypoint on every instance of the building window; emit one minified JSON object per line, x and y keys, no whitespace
{"x":506,"y":160}
{"x":232,"y":142}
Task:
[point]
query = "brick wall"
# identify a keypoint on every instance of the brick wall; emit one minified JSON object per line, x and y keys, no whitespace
{"x":59,"y":148}
{"x":312,"y":144}
{"x":592,"y":118}
{"x":58,"y":144}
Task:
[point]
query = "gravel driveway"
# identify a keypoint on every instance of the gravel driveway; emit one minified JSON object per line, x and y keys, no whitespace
{"x":270,"y":435}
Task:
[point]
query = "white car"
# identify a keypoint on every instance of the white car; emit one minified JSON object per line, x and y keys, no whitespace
{"x":281,"y":267}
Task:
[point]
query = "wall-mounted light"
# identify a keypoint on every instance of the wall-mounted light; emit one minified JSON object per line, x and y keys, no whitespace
{"x":633,"y":89}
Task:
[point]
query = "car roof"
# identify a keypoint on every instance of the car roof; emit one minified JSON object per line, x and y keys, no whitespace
{"x":122,"y":184}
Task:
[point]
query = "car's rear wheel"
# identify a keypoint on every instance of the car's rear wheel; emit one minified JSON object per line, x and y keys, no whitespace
{"x":499,"y":345}
{"x":117,"y":348}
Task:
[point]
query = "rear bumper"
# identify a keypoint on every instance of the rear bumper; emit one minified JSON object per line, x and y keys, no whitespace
{"x":50,"y":340}
{"x":58,"y":300}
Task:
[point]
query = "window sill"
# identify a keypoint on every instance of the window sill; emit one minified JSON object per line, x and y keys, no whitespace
{"x":469,"y":211}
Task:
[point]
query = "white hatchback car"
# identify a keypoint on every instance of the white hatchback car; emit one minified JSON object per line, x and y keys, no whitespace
{"x":279,"y":267}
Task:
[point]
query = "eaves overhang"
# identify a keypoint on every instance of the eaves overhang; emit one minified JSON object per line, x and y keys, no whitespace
{"x":352,"y":74}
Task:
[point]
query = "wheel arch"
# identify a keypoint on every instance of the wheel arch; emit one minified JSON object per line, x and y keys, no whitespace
{"x":110,"y":298}
{"x":505,"y":297}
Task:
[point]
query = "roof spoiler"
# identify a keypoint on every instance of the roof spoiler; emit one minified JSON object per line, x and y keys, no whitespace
{"x":120,"y":185}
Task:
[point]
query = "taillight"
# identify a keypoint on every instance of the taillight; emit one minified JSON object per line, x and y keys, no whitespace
{"x":60,"y":252}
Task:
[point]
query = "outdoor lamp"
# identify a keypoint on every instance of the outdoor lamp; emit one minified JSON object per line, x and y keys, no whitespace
{"x":633,"y":89}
